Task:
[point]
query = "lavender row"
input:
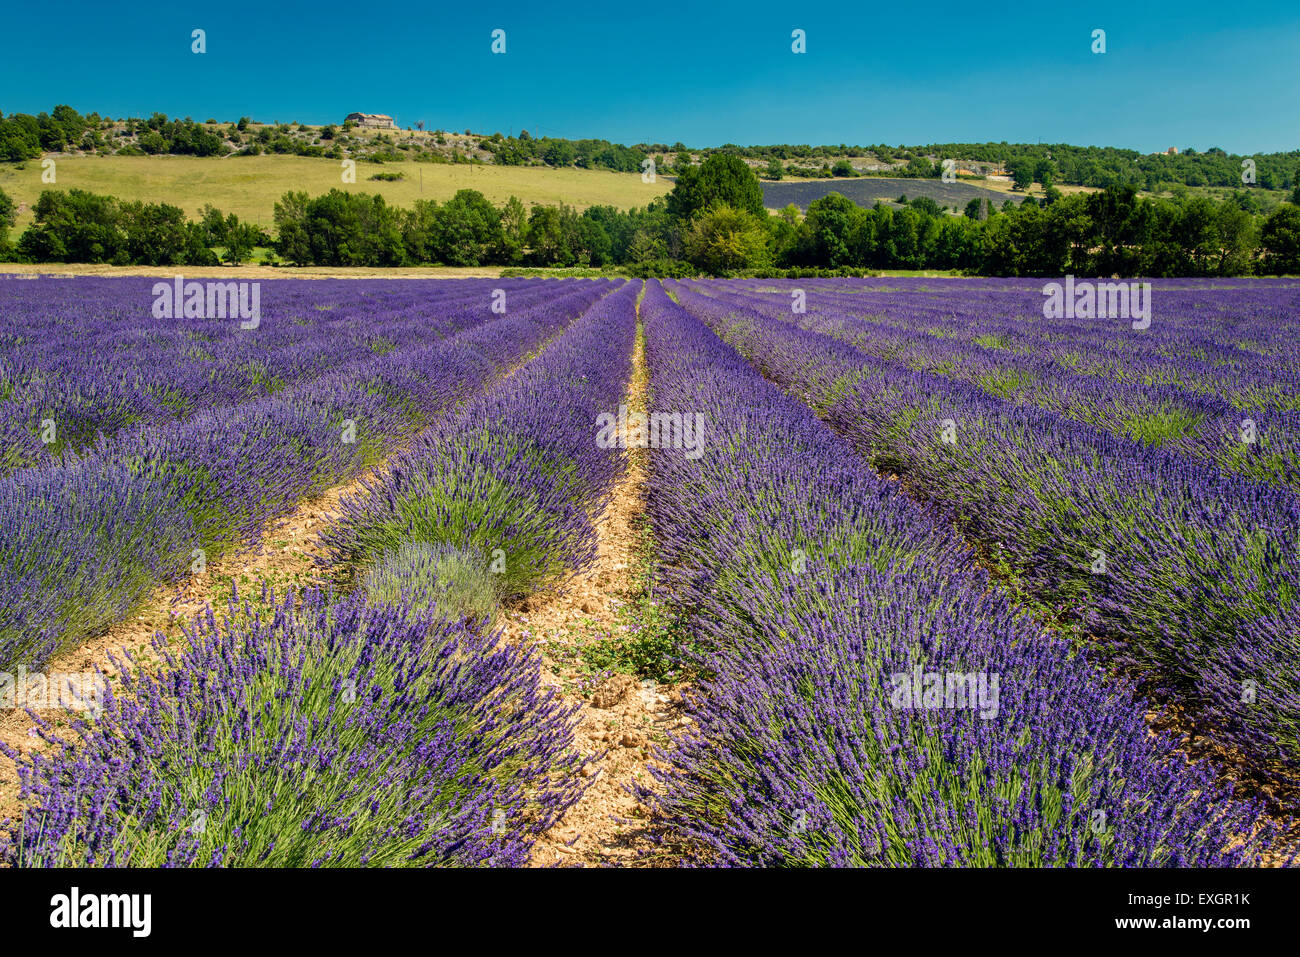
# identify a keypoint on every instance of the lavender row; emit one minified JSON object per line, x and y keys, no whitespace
{"x":306,"y":734}
{"x":89,"y":358}
{"x":514,"y":480}
{"x":1261,"y":443}
{"x":82,"y":543}
{"x":831,"y":609}
{"x":1190,"y":576}
{"x":1239,"y":341}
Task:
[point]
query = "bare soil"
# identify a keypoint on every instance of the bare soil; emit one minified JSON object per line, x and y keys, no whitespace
{"x":620,"y":718}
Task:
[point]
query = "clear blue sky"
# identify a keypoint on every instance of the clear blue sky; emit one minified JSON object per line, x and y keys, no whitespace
{"x":1182,"y":74}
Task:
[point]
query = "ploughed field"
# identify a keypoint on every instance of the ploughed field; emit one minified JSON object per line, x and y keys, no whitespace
{"x":956,"y":583}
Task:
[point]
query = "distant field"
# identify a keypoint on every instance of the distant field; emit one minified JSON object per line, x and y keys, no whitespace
{"x":865,"y":191}
{"x":250,"y":185}
{"x":251,"y":271}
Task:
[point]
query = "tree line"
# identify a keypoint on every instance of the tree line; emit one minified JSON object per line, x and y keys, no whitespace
{"x":712,"y":222}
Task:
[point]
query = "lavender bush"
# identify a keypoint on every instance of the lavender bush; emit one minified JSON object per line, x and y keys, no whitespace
{"x":516,"y":477}
{"x":306,"y":734}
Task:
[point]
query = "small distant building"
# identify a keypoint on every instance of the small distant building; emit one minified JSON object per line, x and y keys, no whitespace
{"x":379,"y":121}
{"x":1172,"y":151}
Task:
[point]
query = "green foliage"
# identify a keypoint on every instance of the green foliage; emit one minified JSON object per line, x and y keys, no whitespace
{"x":720,"y":180}
{"x":651,"y":640}
{"x":339,"y":229}
{"x":1111,"y":232}
{"x":1166,"y":425}
{"x":77,"y":226}
{"x":1022,"y":173}
{"x":723,"y":239}
{"x":661,"y":269}
{"x":584,"y":154}
{"x":8,"y":215}
{"x":1280,"y":238}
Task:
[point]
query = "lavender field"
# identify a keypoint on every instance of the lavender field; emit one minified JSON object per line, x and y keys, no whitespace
{"x":822,"y":572}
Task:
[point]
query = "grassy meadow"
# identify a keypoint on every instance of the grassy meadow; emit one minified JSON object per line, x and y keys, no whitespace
{"x":249,"y":186}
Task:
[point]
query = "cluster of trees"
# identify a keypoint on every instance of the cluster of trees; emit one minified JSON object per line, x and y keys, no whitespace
{"x":355,"y":229}
{"x":1097,"y":234}
{"x":23,"y":136}
{"x":713,"y":221}
{"x":1103,"y":166}
{"x":1097,"y":166}
{"x":586,"y":154}
{"x":184,"y":137}
{"x":81,"y":227}
{"x":277,"y":140}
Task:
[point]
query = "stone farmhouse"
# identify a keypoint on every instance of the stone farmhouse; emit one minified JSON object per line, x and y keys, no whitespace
{"x":379,"y":121}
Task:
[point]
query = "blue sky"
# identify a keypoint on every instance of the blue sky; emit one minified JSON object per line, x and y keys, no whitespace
{"x":1182,"y":74}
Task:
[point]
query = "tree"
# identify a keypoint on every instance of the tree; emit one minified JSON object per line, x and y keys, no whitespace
{"x":924,"y":204}
{"x":723,"y":239}
{"x":241,"y":238}
{"x":20,"y":138}
{"x":514,"y":231}
{"x":466,"y":230}
{"x":293,"y":242}
{"x":720,"y":180}
{"x":1022,"y":173}
{"x":774,"y":169}
{"x":921,"y":168}
{"x":550,"y":236}
{"x":154,"y":234}
{"x":830,"y":223}
{"x":1237,"y":240}
{"x":74,"y":226}
{"x":1280,"y":240}
{"x":1045,"y":172}
{"x":8,"y":216}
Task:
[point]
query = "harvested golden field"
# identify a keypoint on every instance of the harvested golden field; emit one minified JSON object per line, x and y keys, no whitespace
{"x":249,"y":186}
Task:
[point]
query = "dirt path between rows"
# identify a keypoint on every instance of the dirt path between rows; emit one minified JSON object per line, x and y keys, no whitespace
{"x":619,"y":719}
